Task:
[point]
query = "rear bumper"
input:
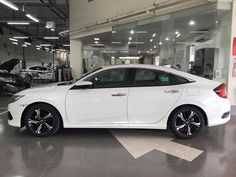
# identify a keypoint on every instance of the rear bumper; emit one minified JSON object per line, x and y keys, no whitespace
{"x":218,"y":112}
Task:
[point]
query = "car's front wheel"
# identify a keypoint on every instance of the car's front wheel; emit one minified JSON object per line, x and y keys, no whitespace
{"x":42,"y":120}
{"x":186,"y":122}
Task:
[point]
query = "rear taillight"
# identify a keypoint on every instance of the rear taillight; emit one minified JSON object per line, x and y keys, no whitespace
{"x":221,"y":91}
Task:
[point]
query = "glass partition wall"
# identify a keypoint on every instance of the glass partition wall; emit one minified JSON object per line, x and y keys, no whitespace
{"x":195,"y":40}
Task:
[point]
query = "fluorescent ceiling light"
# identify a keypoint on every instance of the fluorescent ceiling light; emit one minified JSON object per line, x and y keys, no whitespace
{"x":192,"y":23}
{"x":138,"y":42}
{"x":45,"y":45}
{"x":96,"y":39}
{"x":21,"y":37}
{"x":38,"y":48}
{"x":27,"y":43}
{"x":12,"y":39}
{"x":32,"y":18}
{"x":66,"y":45}
{"x":178,"y":35}
{"x":96,"y":42}
{"x":113,"y":32}
{"x":142,"y":32}
{"x":131,"y":31}
{"x":116,"y":42}
{"x":18,"y":23}
{"x":9,"y":4}
{"x":24,"y":45}
{"x":167,"y":39}
{"x":112,"y":57}
{"x":151,"y":40}
{"x":51,"y":37}
{"x":129,"y":58}
{"x":130,"y":38}
{"x":154,"y":35}
{"x":15,"y":43}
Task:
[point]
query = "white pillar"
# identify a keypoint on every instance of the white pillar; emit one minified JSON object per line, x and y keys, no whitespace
{"x":76,"y":57}
{"x":232,"y":80}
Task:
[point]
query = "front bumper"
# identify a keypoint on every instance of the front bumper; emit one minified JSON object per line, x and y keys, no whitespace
{"x":15,"y":111}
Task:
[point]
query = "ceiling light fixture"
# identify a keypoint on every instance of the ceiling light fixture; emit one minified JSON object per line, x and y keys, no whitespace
{"x":45,"y":45}
{"x":113,"y":32}
{"x":66,"y":45}
{"x":137,"y":42}
{"x":21,"y":37}
{"x":131,"y":31}
{"x":129,"y":42}
{"x":24,"y":45}
{"x":167,"y":39}
{"x":32,"y":18}
{"x":15,"y":43}
{"x":160,"y":43}
{"x":18,"y":23}
{"x":178,"y":35}
{"x":27,"y":43}
{"x":142,"y":32}
{"x":130,"y":38}
{"x":155,"y":46}
{"x":154,"y":35}
{"x":12,"y":39}
{"x":38,"y":48}
{"x":97,"y":39}
{"x":151,"y":40}
{"x":176,"y":32}
{"x":9,"y":4}
{"x":96,"y":42}
{"x":51,"y":37}
{"x":52,"y":29}
{"x":116,"y":42}
{"x":192,"y":23}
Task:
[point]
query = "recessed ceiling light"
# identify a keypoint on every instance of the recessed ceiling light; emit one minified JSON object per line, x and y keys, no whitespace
{"x":160,"y":43}
{"x":176,"y":32}
{"x":130,"y":38}
{"x":151,"y":40}
{"x":129,"y":42}
{"x":9,"y":4}
{"x":12,"y":39}
{"x":96,"y":39}
{"x":32,"y":18}
{"x":150,"y":49}
{"x":96,"y":42}
{"x":18,"y":23}
{"x":131,"y":31}
{"x":112,"y":57}
{"x":154,"y":35}
{"x":192,"y":23}
{"x":167,"y":39}
{"x":155,"y":46}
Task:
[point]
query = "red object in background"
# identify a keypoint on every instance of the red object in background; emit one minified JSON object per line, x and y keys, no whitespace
{"x":234,"y":47}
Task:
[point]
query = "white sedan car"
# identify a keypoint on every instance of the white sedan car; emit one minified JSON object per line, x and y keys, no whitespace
{"x":128,"y":96}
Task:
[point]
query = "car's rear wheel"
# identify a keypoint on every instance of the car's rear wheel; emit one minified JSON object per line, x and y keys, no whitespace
{"x":186,"y":122}
{"x":42,"y":120}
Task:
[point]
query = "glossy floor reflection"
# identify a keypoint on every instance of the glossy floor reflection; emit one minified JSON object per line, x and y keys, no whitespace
{"x":96,"y":153}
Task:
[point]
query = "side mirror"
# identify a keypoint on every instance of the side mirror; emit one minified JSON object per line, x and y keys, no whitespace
{"x":82,"y":85}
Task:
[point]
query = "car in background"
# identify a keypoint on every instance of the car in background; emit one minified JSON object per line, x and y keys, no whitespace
{"x":126,"y":96}
{"x":38,"y":73}
{"x":11,"y":83}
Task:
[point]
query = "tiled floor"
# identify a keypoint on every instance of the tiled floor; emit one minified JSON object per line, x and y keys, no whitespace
{"x":97,"y":153}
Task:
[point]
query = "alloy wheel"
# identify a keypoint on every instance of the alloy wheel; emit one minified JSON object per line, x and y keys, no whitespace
{"x":41,"y":121}
{"x":188,"y":123}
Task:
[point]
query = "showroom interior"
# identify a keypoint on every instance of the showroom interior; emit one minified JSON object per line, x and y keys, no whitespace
{"x":58,"y":43}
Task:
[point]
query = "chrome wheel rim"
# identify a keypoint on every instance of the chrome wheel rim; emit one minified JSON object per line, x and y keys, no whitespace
{"x":187,"y":123}
{"x":41,"y":122}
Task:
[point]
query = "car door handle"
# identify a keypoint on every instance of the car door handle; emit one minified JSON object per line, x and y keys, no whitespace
{"x":172,"y":91}
{"x":118,"y":94}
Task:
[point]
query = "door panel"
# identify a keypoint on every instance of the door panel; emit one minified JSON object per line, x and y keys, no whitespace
{"x":150,"y":104}
{"x":97,"y":105}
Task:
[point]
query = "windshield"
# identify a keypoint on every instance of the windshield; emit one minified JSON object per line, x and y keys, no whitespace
{"x":79,"y":78}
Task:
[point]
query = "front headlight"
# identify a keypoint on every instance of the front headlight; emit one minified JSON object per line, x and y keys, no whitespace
{"x":16,"y":98}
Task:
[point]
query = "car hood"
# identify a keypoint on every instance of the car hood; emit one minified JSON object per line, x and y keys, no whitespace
{"x":40,"y":89}
{"x":9,"y":65}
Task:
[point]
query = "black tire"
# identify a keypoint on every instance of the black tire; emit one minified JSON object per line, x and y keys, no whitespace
{"x":42,"y":120}
{"x":186,"y":122}
{"x":29,"y":79}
